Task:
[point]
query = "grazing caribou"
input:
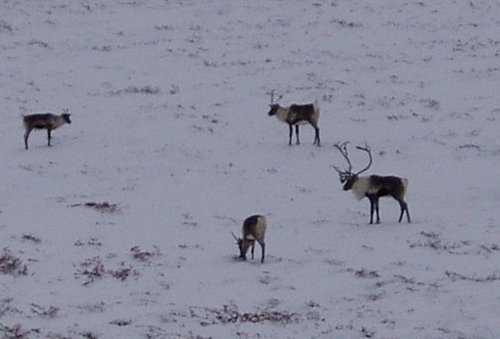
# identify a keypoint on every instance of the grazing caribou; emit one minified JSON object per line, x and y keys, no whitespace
{"x":374,"y":186}
{"x":296,"y":115}
{"x":46,"y":121}
{"x":254,"y":229}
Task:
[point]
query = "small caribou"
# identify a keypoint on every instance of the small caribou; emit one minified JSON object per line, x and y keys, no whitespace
{"x":296,"y":115}
{"x":254,"y":229}
{"x":374,"y":186}
{"x":46,"y":121}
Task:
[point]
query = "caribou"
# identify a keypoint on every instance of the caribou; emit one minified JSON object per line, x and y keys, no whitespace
{"x":374,"y":186}
{"x":254,"y":229}
{"x":296,"y":115}
{"x":46,"y":121}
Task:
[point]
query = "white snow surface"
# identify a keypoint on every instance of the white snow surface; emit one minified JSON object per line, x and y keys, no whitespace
{"x":122,"y":229}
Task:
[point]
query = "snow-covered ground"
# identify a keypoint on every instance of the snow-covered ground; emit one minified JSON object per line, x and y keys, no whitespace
{"x":122,"y":229}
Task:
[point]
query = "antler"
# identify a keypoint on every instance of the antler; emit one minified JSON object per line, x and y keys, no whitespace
{"x":271,"y":93}
{"x":272,"y":96}
{"x":235,"y":237}
{"x":366,"y":148}
{"x":342,"y":147}
{"x":343,"y":150}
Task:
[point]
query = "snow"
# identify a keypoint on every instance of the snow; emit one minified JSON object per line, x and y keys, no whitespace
{"x":122,"y":229}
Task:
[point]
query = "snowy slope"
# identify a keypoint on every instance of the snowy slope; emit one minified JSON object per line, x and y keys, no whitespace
{"x":122,"y":228}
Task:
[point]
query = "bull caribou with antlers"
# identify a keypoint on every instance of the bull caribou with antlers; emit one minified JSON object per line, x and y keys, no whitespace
{"x":374,"y":186}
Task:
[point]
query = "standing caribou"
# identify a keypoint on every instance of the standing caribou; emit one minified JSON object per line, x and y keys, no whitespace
{"x":296,"y":115}
{"x":46,"y":121}
{"x":374,"y":186}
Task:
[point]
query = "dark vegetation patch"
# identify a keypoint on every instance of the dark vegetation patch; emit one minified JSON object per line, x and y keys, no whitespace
{"x":103,"y":207}
{"x":12,"y":265}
